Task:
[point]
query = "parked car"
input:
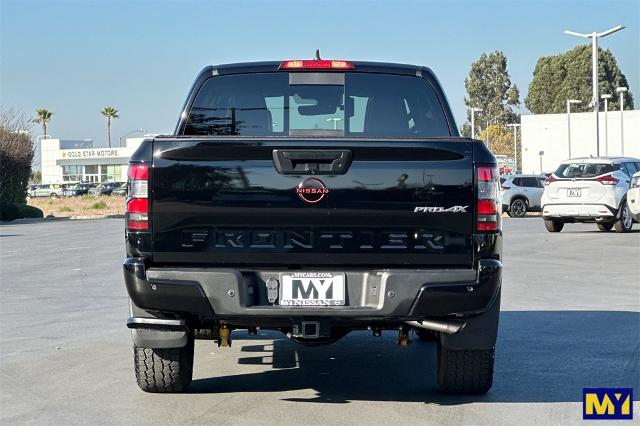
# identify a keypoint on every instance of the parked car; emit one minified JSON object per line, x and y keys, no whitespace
{"x":590,"y":190}
{"x":30,"y":188}
{"x":633,"y":196}
{"x":290,"y":228}
{"x":51,"y":190}
{"x":104,"y":188}
{"x":77,"y":190}
{"x":120,"y":190}
{"x":521,"y":194}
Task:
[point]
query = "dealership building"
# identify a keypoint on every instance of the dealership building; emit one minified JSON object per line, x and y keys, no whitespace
{"x":66,"y":160}
{"x":545,"y":138}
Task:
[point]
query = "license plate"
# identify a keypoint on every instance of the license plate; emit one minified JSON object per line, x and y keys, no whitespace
{"x":312,"y":289}
{"x":574,"y":192}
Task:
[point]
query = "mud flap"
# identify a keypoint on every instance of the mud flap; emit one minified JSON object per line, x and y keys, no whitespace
{"x":480,"y":333}
{"x":159,"y":339}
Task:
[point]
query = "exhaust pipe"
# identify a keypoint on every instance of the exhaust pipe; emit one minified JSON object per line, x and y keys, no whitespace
{"x":446,"y":327}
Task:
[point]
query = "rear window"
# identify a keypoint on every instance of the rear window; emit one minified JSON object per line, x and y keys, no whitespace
{"x":584,"y":170}
{"x":365,"y":104}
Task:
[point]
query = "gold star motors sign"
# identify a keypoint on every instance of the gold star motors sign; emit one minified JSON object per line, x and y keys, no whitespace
{"x":89,"y":153}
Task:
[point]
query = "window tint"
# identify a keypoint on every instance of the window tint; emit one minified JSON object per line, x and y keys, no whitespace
{"x":629,"y":168}
{"x":530,"y":182}
{"x":265,"y":104}
{"x":584,"y":170}
{"x":517,"y":181}
{"x":393,"y":105}
{"x":502,"y":180}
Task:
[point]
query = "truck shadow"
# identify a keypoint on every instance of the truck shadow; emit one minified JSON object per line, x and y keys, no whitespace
{"x":542,"y":356}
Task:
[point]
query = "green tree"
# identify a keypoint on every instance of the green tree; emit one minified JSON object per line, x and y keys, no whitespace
{"x":489,"y":87}
{"x":43,"y":117}
{"x":111,"y":113}
{"x":568,"y":76}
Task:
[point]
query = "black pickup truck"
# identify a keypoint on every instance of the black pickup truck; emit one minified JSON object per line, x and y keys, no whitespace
{"x":314,"y":197}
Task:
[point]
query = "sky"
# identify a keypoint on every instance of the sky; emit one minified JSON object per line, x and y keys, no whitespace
{"x":74,"y":58}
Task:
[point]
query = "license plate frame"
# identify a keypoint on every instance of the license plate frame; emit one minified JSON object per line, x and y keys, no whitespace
{"x":312,"y":289}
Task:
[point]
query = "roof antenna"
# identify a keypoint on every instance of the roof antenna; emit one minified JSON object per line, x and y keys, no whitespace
{"x":317,"y":54}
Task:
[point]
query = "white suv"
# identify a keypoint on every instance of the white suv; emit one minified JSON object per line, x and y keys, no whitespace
{"x":633,"y":197}
{"x":592,"y":190}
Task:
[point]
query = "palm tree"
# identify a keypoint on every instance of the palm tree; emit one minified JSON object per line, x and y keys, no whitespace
{"x":111,"y":113}
{"x":43,"y":116}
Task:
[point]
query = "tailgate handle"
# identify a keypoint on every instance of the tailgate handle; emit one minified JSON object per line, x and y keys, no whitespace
{"x":312,"y":161}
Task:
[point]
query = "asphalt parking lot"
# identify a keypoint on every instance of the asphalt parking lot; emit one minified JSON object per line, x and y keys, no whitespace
{"x":570,"y":319}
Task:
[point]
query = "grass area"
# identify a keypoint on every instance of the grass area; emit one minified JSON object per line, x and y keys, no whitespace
{"x":85,"y":205}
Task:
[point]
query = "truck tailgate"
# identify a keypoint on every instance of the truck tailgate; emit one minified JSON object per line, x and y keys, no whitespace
{"x":393,"y":203}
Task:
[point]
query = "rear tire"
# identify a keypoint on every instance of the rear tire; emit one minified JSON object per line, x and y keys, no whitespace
{"x":553,"y":225}
{"x":164,"y":370}
{"x":625,"y":222}
{"x":518,"y":208}
{"x":606,"y":227}
{"x":465,"y":372}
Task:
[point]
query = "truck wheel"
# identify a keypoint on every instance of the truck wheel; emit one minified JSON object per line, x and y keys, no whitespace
{"x":625,"y":222}
{"x":465,"y":372}
{"x":518,"y":208}
{"x":164,"y":370}
{"x":605,"y":226}
{"x":553,"y":225}
{"x":426,"y":335}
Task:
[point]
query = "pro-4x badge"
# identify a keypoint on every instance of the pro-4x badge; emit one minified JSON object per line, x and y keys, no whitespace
{"x":454,"y":209}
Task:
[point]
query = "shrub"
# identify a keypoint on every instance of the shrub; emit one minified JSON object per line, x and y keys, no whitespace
{"x":65,"y":209}
{"x":16,"y":154}
{"x":99,"y":205}
{"x":19,"y":211}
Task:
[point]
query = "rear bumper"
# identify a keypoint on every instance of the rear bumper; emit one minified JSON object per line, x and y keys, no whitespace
{"x":372,"y":295}
{"x":579,"y":211}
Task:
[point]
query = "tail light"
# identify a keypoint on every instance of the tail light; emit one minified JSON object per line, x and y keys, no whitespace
{"x":504,"y":188}
{"x":137,"y":205}
{"x":316,"y":64}
{"x":607,"y":180}
{"x":550,"y":179}
{"x":487,"y":206}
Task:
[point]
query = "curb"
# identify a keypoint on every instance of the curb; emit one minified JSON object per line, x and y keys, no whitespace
{"x":96,"y":216}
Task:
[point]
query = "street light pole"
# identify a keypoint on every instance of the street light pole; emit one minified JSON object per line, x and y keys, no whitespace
{"x":569,"y":102}
{"x":606,"y":98}
{"x":621,"y":90}
{"x":515,"y":149}
{"x":473,"y":121}
{"x":594,"y":60}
